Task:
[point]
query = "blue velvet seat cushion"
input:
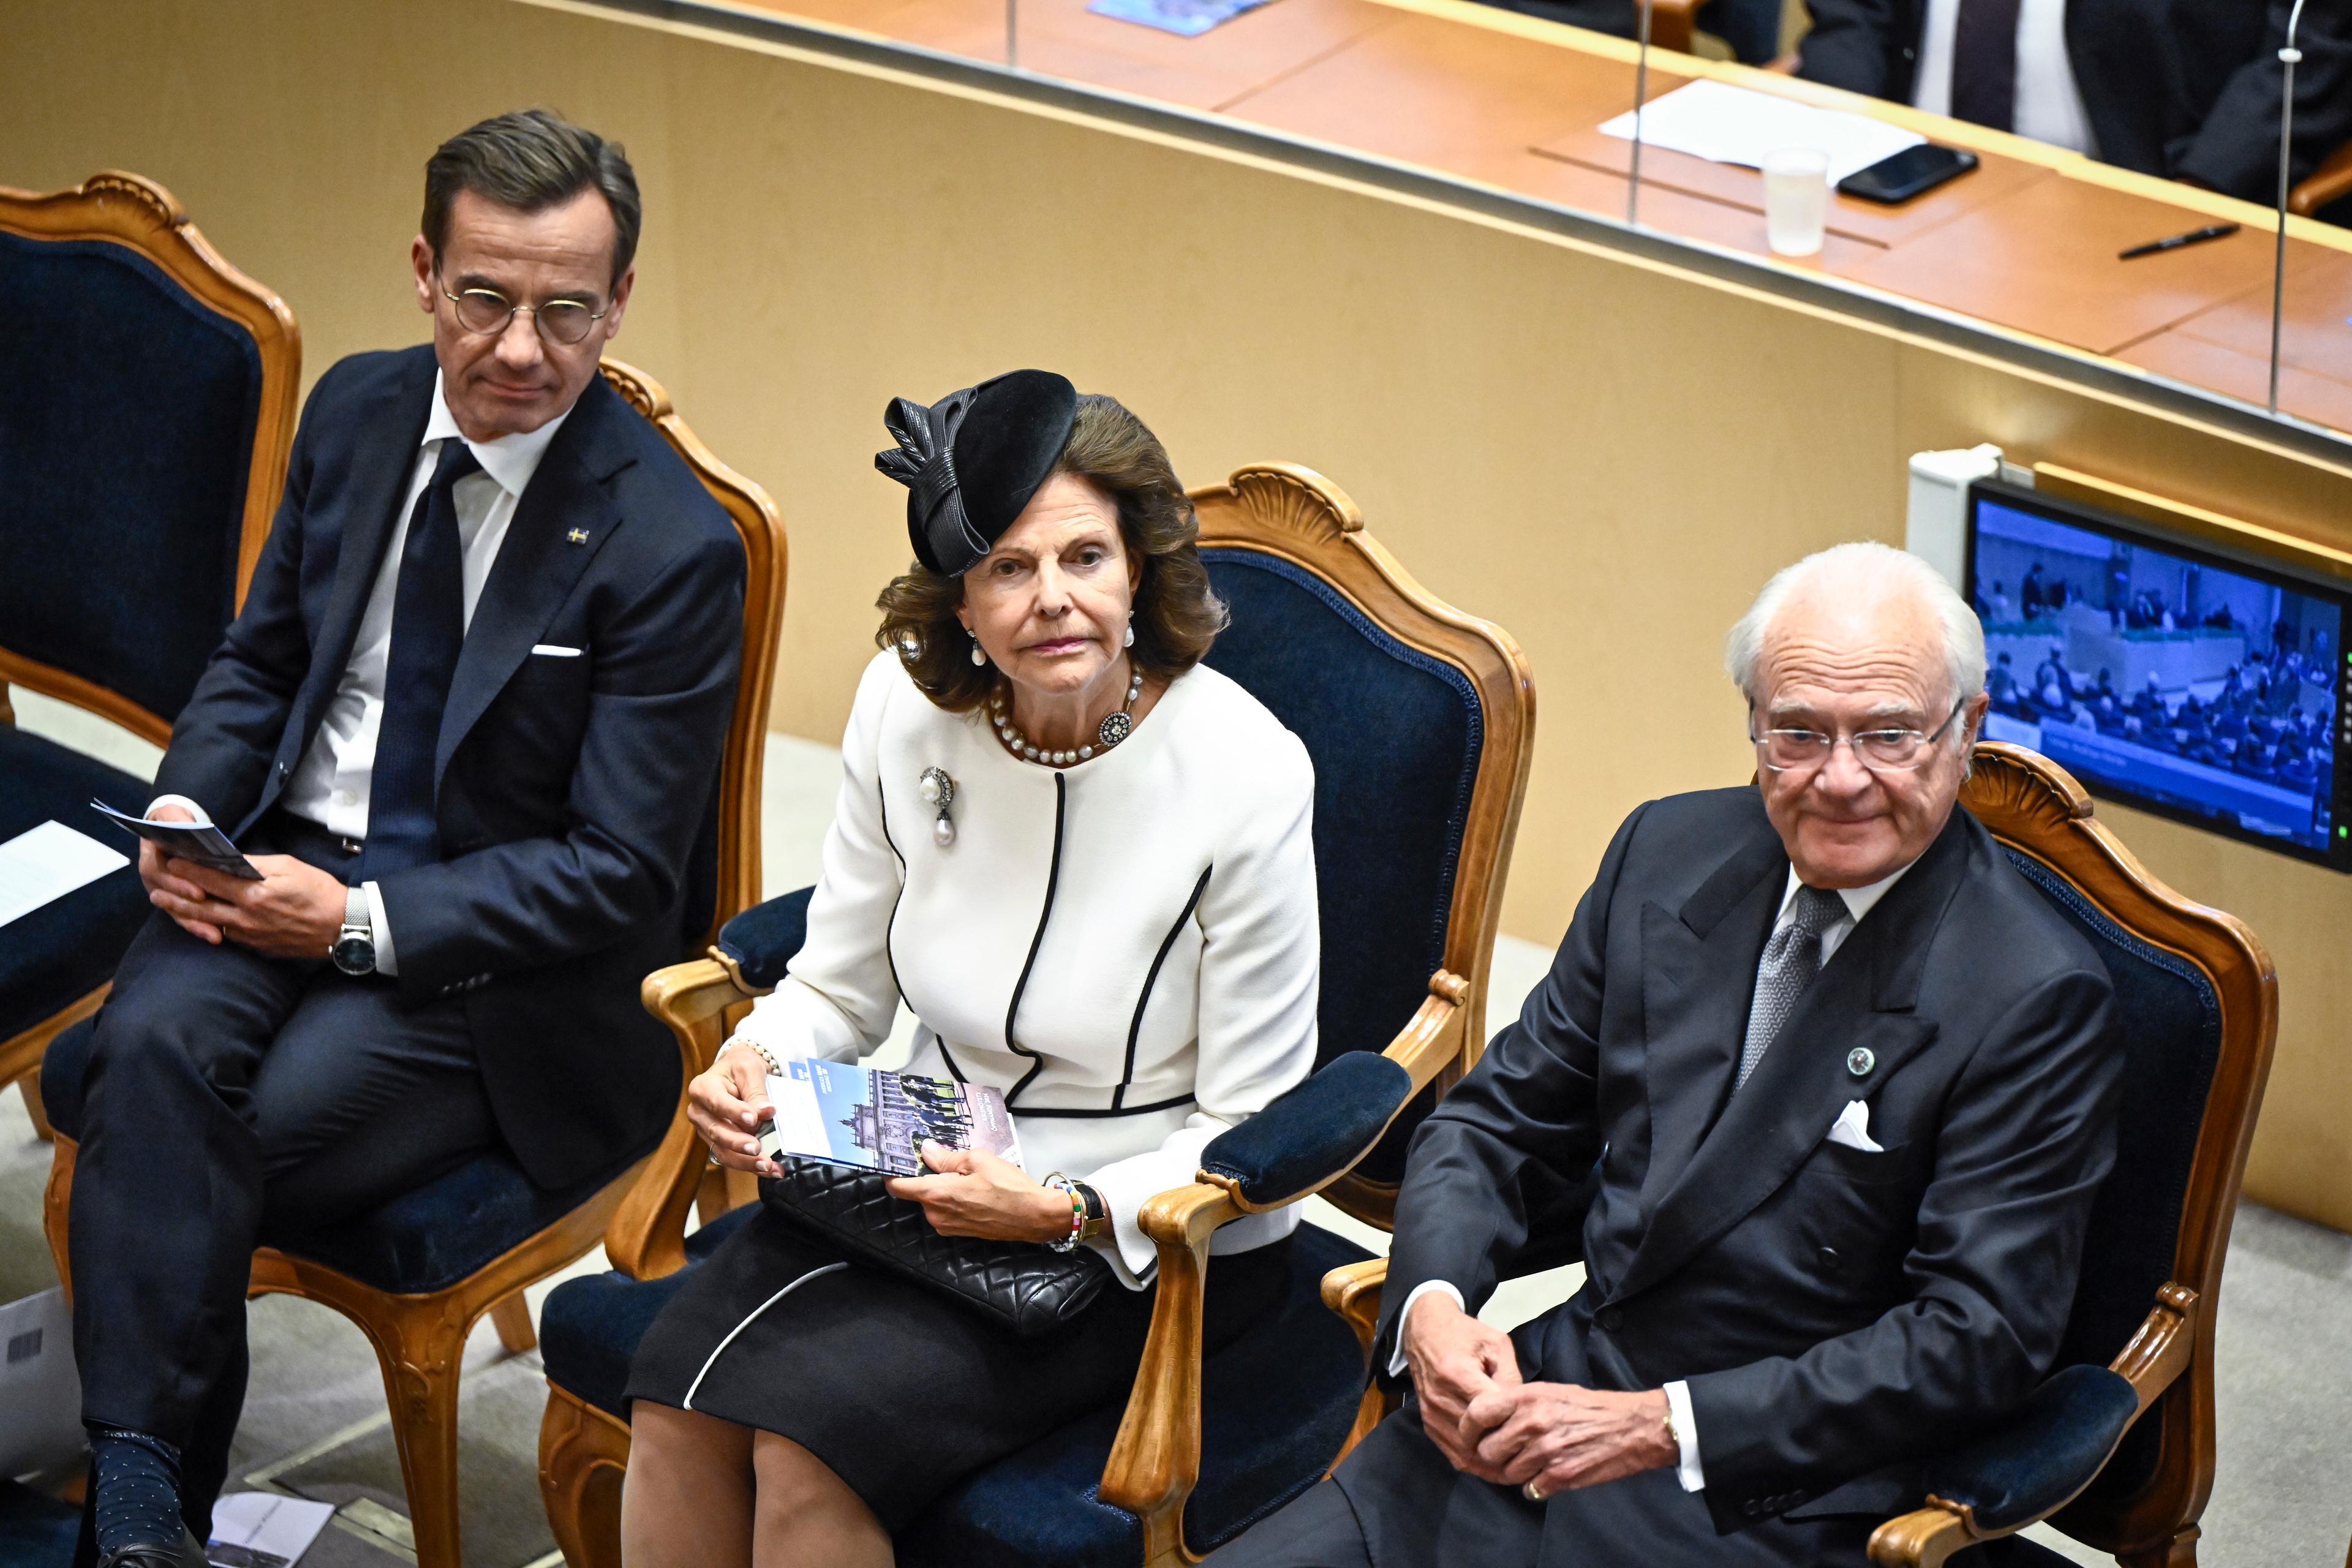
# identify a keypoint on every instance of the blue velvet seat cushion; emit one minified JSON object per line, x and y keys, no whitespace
{"x":1313,"y":1132}
{"x":127,"y":418}
{"x":2170,"y":1022}
{"x":588,"y":1328}
{"x":762,"y":939}
{"x":423,"y":1240}
{"x":1395,"y":735}
{"x":1275,"y":1405}
{"x":2043,"y":1456}
{"x":36,"y":1531}
{"x":69,"y":947}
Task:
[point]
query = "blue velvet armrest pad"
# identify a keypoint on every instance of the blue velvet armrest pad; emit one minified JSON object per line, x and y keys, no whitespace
{"x":763,"y":939}
{"x":1314,"y":1132}
{"x":2050,"y":1452}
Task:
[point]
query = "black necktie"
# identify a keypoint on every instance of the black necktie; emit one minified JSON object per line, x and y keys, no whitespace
{"x":1984,"y":63}
{"x":1790,"y":960}
{"x":428,"y":625}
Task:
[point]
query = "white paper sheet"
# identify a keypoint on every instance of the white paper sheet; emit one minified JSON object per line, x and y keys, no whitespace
{"x":264,"y":1530}
{"x":47,"y":862}
{"x":1727,"y":124}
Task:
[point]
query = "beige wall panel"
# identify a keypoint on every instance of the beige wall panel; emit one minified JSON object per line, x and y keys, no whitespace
{"x":1606,"y":458}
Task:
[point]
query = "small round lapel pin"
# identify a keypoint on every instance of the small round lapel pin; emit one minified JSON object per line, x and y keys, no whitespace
{"x":1860,"y":1060}
{"x":939,"y":790}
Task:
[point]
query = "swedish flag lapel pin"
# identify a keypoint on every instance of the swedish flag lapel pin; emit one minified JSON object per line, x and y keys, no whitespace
{"x":578,"y":536}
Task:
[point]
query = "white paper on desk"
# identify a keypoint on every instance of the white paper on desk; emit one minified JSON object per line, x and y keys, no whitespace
{"x":1727,"y":124}
{"x":263,"y":1529}
{"x":48,"y":862}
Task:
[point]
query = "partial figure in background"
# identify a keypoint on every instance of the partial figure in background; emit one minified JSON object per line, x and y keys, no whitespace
{"x":1085,"y":861}
{"x":467,"y":726}
{"x":2184,"y":89}
{"x":1819,"y":1091}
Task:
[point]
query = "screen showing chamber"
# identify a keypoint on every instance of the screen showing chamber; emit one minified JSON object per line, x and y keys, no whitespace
{"x":2156,"y":676}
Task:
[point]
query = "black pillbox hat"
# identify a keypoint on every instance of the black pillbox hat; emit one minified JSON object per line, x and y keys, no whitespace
{"x":971,"y":460}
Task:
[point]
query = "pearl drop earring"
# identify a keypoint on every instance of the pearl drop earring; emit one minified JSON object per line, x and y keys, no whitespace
{"x":1129,"y":641}
{"x":978,"y":658}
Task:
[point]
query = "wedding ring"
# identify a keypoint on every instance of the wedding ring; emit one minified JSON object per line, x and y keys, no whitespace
{"x":1531,"y":1492}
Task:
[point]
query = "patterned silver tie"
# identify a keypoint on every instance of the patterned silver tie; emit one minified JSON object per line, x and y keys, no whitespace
{"x":1790,"y":960}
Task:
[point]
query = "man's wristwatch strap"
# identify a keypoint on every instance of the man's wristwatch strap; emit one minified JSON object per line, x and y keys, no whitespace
{"x":355,"y":911}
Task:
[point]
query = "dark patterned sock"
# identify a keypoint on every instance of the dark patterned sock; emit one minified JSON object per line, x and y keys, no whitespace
{"x":136,"y":1499}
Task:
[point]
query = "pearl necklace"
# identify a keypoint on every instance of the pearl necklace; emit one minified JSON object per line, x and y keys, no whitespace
{"x":1115,"y":727}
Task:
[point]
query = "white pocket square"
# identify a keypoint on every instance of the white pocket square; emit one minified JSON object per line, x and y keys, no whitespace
{"x":1853,"y":1128}
{"x":555,"y":650}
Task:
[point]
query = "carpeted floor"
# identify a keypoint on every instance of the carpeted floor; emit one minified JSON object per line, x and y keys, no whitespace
{"x":315,"y":1424}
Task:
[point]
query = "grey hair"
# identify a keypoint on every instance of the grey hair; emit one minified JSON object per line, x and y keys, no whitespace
{"x":1866,"y":567}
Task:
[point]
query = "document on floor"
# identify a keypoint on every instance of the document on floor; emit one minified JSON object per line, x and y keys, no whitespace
{"x":264,"y":1530}
{"x":1185,"y":18}
{"x":872,"y":1119}
{"x":44,"y":864}
{"x":1726,"y":125}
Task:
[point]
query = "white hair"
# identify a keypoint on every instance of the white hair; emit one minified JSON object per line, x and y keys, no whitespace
{"x":1863,"y":571}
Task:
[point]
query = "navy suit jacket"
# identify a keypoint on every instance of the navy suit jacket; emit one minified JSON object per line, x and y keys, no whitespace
{"x":2173,"y":88}
{"x":576,"y":796}
{"x":1838,"y":1314}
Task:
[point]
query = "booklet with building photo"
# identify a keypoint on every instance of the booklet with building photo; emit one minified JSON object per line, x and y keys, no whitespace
{"x":871,"y":1120}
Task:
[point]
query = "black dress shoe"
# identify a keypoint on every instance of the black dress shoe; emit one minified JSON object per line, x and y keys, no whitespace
{"x":188,"y":1554}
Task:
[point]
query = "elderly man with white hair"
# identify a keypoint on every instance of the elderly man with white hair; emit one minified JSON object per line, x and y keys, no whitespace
{"x":1818,"y":1089}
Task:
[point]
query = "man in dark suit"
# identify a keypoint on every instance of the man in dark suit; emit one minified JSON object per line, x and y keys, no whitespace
{"x":2185,"y":89}
{"x":468,"y":727}
{"x":1818,"y":1089}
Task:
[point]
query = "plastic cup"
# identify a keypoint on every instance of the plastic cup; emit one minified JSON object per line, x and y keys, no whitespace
{"x":1796,"y":200}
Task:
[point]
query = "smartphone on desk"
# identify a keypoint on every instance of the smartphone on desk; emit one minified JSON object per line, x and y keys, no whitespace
{"x":1907,"y":173}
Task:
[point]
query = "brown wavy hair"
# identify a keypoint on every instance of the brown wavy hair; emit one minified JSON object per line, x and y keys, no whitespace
{"x":1177,"y":614}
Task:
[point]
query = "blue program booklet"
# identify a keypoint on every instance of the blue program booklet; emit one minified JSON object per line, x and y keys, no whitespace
{"x":871,"y":1120}
{"x":1185,"y":18}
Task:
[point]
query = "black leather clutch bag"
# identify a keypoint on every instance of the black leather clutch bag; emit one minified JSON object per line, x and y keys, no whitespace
{"x":1021,"y":1286}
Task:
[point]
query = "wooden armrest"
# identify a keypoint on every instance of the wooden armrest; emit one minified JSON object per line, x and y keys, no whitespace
{"x":2331,"y":182}
{"x":1353,"y":1291}
{"x":1155,"y":1459}
{"x":1432,"y":1042}
{"x":1672,"y":23}
{"x":646,"y":1237}
{"x":2155,"y":1357}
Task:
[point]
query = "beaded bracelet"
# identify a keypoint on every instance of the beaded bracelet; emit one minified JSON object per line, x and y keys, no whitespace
{"x":1068,"y":1189}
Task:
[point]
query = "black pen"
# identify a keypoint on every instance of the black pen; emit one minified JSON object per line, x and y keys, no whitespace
{"x":2194,"y":237}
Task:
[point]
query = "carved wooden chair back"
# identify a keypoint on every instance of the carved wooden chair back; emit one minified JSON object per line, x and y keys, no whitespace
{"x":1420,"y":720}
{"x":147,"y":394}
{"x":2197,"y":999}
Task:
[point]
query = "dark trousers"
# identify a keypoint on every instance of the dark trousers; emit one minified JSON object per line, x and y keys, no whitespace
{"x":228,"y":1096}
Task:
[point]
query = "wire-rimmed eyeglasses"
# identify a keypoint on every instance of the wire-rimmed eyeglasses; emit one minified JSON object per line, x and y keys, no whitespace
{"x":1881,"y":751}
{"x":486,"y":312}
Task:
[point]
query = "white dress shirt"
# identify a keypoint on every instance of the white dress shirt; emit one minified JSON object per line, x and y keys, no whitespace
{"x":330,"y":786}
{"x":1859,"y":902}
{"x":2049,"y":106}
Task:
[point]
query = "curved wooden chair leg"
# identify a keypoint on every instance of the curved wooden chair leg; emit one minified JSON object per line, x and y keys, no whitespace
{"x":30,"y":1086}
{"x":2181,"y":1551}
{"x":512,"y":1318}
{"x":57,"y":1201}
{"x":582,"y":1453}
{"x":420,"y":1353}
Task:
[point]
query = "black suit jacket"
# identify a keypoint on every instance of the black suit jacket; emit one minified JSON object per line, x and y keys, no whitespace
{"x":575,"y":795}
{"x":2174,"y":88}
{"x":1835,"y":1312}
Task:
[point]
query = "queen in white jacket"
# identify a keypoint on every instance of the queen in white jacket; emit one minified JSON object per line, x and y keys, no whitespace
{"x":1084,"y":862}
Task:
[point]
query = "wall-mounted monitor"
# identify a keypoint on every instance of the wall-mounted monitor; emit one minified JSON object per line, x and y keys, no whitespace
{"x":2205,"y":689}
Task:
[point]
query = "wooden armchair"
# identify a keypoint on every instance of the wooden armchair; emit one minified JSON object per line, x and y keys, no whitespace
{"x":419,"y":1273}
{"x":2324,"y":186}
{"x":1418,"y":719}
{"x":2199,"y":1005}
{"x":146,"y":408}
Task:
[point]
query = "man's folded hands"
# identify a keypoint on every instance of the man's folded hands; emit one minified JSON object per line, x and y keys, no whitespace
{"x":1489,"y":1422}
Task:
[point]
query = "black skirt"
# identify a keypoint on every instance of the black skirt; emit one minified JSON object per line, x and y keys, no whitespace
{"x":900,"y":1391}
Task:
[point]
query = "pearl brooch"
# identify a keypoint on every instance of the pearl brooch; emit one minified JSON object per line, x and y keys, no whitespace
{"x":939,"y":790}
